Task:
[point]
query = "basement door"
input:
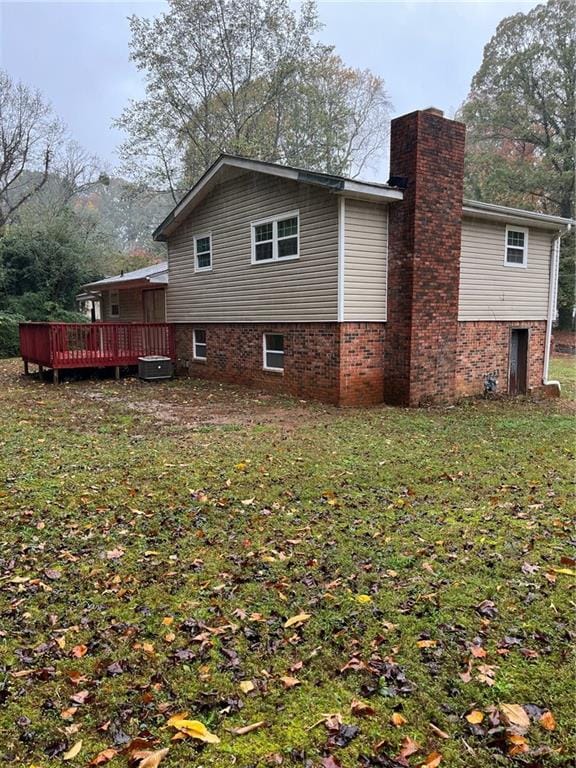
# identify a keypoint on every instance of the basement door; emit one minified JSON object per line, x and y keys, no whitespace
{"x":153,"y":301}
{"x":518,"y":374}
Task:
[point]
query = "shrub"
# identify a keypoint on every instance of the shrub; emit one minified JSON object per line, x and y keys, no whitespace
{"x":9,"y":337}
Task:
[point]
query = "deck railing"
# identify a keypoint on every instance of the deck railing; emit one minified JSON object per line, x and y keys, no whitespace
{"x":87,"y":345}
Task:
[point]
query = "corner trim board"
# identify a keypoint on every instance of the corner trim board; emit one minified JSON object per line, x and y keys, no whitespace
{"x":341,"y":255}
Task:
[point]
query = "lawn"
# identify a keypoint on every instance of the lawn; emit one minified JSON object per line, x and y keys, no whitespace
{"x":358,"y":585}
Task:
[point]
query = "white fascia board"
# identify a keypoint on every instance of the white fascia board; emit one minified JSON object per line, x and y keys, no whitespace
{"x":371,"y":191}
{"x":514,"y":215}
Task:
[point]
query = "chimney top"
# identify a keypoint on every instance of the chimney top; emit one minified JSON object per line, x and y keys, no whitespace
{"x":434,"y":111}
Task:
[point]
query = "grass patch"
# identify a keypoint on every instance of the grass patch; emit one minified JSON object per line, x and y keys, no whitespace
{"x":159,"y":563}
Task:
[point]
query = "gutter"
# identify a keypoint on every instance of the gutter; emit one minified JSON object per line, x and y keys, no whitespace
{"x":552,"y":299}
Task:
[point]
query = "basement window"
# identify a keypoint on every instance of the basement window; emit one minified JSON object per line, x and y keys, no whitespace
{"x":273,"y":352}
{"x":516,"y":254}
{"x":276,"y":239}
{"x":114,"y":304}
{"x":202,"y":253}
{"x":199,"y":347}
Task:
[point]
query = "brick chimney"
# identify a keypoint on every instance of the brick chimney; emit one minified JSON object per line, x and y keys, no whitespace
{"x":427,"y":150}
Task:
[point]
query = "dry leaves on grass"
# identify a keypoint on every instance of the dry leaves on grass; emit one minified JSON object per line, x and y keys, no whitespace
{"x":193,"y":728}
{"x":515,"y":715}
{"x":152,"y":759}
{"x":244,"y":729}
{"x":297,"y":620}
{"x":73,"y":751}
{"x":547,"y":721}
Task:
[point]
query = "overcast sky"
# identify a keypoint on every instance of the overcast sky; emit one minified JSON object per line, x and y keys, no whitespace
{"x":76,"y":53}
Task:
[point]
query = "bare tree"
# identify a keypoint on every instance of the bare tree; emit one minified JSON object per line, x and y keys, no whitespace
{"x":30,"y":136}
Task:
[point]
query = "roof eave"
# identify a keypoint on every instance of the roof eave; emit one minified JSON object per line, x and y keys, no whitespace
{"x":515,"y":215}
{"x":336,"y":184}
{"x":138,"y":282}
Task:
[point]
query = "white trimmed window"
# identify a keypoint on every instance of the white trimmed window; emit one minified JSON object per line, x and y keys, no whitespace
{"x":114,"y":304}
{"x":273,"y":352}
{"x":199,"y":344}
{"x":276,"y":239}
{"x":203,"y":253}
{"x":516,"y":253}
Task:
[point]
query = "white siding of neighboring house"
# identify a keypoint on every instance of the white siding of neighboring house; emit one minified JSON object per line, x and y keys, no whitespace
{"x":235,"y":290}
{"x":365,"y":261}
{"x":489,"y":290}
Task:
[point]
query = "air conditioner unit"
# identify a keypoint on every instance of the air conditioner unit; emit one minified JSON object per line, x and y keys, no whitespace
{"x":155,"y":367}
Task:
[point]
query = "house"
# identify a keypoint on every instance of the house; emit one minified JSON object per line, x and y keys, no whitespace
{"x":132,"y":297}
{"x":357,"y":292}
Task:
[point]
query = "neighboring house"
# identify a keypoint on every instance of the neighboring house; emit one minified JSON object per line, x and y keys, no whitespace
{"x":133,"y":297}
{"x":358,"y":293}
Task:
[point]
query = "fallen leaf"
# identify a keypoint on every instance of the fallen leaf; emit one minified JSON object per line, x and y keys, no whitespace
{"x":433,"y":760}
{"x":515,"y":715}
{"x":67,"y":714}
{"x":329,"y":762}
{"x":361,"y":709}
{"x":398,"y":720}
{"x":547,"y":721}
{"x":290,"y":682}
{"x":79,"y":650}
{"x":426,"y":643}
{"x":409,"y":747}
{"x":363,"y":599}
{"x":170,"y":637}
{"x":80,"y":697}
{"x":475,"y":717}
{"x":517,"y":744}
{"x":300,"y":618}
{"x":105,"y":756}
{"x":487,"y":609}
{"x":565,"y":571}
{"x":167,"y":621}
{"x":73,"y":751}
{"x":439,"y":731}
{"x":246,"y":686}
{"x":478,"y":652}
{"x":114,"y":554}
{"x":193,"y":728}
{"x":246,"y":728}
{"x":152,"y":759}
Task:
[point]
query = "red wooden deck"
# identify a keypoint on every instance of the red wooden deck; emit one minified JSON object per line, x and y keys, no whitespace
{"x":93,"y":345}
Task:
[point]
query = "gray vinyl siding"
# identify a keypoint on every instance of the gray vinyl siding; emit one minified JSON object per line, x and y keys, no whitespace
{"x":130,"y":301}
{"x":365,"y":261}
{"x":489,"y":290}
{"x":305,"y":289}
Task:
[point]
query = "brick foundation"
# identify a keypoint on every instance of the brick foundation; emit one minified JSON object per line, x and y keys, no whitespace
{"x":484,"y":346}
{"x":340,"y":363}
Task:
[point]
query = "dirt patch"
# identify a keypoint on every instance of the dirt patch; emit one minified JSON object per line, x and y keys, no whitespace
{"x":251,"y":411}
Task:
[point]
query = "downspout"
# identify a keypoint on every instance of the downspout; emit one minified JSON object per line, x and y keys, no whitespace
{"x":552,"y":299}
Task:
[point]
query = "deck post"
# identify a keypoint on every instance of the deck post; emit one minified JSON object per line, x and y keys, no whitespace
{"x":56,"y":376}
{"x":26,"y":371}
{"x":40,"y":369}
{"x":117,"y":372}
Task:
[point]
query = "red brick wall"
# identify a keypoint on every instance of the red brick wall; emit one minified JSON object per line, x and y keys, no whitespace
{"x":484,"y":346}
{"x":339,"y":363}
{"x":424,"y":259}
{"x":362,"y":363}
